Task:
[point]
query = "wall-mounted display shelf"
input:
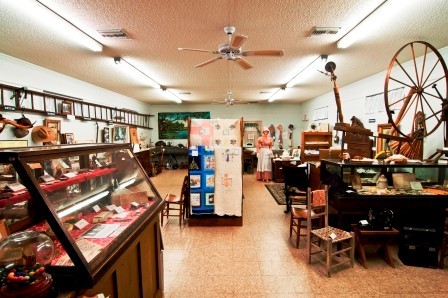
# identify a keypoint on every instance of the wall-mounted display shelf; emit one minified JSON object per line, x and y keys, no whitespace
{"x":51,"y":104}
{"x":312,"y":142}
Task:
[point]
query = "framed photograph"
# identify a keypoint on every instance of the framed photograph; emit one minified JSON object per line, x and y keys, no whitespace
{"x":55,"y":125}
{"x":69,"y":138}
{"x":66,"y":108}
{"x":209,"y":198}
{"x":381,"y":144}
{"x":120,"y":134}
{"x":195,"y":181}
{"x":106,"y":135}
{"x":133,"y":134}
{"x":210,"y":181}
{"x":195,"y":199}
{"x":209,"y":162}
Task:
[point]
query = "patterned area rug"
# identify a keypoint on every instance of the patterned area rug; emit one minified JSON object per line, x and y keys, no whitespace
{"x":278,"y":192}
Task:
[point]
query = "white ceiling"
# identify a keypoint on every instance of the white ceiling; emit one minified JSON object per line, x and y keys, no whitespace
{"x":158,"y":27}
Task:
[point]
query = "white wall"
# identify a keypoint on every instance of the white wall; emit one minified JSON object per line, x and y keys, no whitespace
{"x":353,"y":100}
{"x":275,"y":114}
{"x":19,"y":73}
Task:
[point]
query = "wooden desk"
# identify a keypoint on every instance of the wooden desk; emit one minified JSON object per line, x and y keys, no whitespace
{"x":374,"y":237}
{"x":277,"y":168}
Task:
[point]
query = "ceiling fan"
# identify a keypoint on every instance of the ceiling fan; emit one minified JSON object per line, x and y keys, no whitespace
{"x":231,"y":50}
{"x":229,"y":100}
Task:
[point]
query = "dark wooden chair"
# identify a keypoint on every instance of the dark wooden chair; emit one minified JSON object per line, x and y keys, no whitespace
{"x":296,"y":183}
{"x":299,"y":219}
{"x":176,"y":203}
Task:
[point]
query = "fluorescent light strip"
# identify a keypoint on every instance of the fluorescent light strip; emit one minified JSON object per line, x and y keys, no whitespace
{"x":272,"y":97}
{"x":300,"y":76}
{"x":83,"y":204}
{"x":381,"y":14}
{"x":128,"y":67}
{"x":176,"y":98}
{"x":76,"y":33}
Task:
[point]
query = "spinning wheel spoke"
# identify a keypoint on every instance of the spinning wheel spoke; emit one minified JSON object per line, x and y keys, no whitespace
{"x":429,"y":107}
{"x":401,"y":82}
{"x":406,"y":73}
{"x":430,"y":73}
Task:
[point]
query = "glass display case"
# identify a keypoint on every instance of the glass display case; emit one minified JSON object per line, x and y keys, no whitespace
{"x":376,"y":178}
{"x":414,"y":195}
{"x":94,"y":201}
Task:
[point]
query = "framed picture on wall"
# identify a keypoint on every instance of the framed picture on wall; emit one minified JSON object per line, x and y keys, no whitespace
{"x":120,"y":134}
{"x":66,"y":108}
{"x":133,"y":134}
{"x":69,"y":138}
{"x":55,"y":125}
{"x":381,"y":144}
{"x":106,"y":135}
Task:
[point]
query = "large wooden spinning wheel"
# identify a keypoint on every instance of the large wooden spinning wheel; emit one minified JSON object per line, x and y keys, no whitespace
{"x":415,"y":92}
{"x":420,"y":69}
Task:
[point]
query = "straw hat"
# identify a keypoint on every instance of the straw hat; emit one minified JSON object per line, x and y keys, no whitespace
{"x":43,"y":134}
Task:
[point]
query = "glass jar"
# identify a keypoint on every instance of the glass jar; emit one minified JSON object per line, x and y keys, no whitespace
{"x":23,"y":259}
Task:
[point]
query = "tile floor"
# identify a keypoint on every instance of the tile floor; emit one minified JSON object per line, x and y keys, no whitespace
{"x":259,"y":259}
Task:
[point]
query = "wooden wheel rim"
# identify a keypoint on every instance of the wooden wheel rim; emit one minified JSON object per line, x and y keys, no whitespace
{"x":418,"y":81}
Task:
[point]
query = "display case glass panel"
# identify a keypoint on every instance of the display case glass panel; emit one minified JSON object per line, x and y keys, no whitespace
{"x":90,"y":199}
{"x":420,"y":178}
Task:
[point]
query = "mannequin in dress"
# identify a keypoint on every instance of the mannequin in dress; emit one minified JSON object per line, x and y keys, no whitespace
{"x":264,"y":154}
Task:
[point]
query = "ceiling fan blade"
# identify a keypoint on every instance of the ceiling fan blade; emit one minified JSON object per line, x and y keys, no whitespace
{"x":243,"y":63}
{"x":197,"y":50}
{"x":237,"y":41}
{"x":277,"y":53}
{"x":208,"y":61}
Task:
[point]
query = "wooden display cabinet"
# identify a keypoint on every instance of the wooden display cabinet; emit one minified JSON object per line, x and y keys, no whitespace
{"x":416,"y":193}
{"x":312,"y":142}
{"x":79,"y":183}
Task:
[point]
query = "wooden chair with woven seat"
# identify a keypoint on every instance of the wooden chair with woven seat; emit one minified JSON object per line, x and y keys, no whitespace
{"x":296,"y":184}
{"x":176,"y":203}
{"x":299,"y":218}
{"x":328,"y":240}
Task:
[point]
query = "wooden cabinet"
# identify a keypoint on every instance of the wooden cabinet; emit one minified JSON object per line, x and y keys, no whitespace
{"x":357,"y":144}
{"x":121,"y":257}
{"x":312,"y":142}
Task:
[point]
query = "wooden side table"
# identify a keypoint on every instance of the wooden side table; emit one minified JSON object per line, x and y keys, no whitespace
{"x":374,"y":237}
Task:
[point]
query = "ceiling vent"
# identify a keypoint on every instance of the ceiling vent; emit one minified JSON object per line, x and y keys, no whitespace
{"x":318,"y":31}
{"x":113,"y":33}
